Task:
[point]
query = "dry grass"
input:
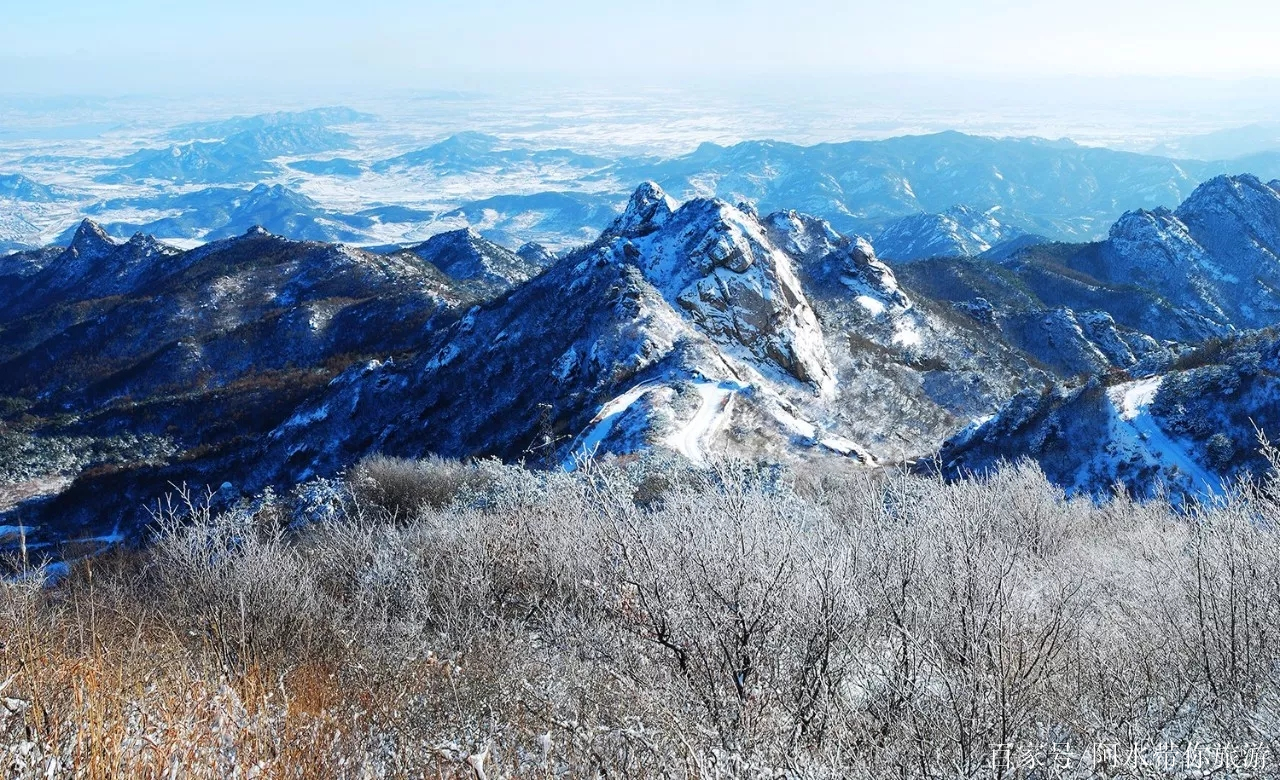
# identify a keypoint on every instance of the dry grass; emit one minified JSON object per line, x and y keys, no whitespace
{"x":483,"y":621}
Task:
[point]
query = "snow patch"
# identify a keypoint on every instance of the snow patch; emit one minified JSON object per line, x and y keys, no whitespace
{"x":302,"y":418}
{"x":603,"y":423}
{"x":1139,"y":436}
{"x":874,"y":306}
{"x":1132,"y":398}
{"x":906,"y":334}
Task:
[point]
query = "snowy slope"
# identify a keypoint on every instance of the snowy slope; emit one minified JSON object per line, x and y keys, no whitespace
{"x":1190,"y":429}
{"x":957,"y":232}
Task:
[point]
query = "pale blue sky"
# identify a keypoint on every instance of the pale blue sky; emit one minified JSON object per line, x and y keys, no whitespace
{"x":130,"y":45}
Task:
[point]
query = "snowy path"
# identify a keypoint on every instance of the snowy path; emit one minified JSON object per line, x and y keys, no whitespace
{"x":602,"y":424}
{"x":1131,"y":401}
{"x":716,"y":400}
{"x":1168,"y":451}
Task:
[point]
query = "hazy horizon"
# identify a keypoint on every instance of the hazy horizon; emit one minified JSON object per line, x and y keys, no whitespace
{"x":1128,"y":76}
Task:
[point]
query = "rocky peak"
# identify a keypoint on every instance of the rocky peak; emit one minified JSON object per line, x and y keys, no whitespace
{"x":263,"y":194}
{"x":142,"y":241}
{"x":91,"y":242}
{"x":1236,"y":218}
{"x":1153,"y":244}
{"x":647,"y":210}
{"x":802,"y":235}
{"x":1224,"y":191}
{"x":833,"y":261}
{"x":1157,"y":250}
{"x":717,"y":264}
{"x":865,"y":273}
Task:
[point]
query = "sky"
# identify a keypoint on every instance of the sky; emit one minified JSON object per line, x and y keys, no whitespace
{"x":92,"y":46}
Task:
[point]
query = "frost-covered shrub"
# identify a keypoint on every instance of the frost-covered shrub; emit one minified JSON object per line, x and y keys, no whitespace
{"x":641,"y":618}
{"x":1220,"y":451}
{"x":402,"y":486}
{"x":24,"y":456}
{"x":234,"y":583}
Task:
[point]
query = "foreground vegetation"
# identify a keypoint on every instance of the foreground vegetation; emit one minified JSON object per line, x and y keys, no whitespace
{"x":438,"y":619}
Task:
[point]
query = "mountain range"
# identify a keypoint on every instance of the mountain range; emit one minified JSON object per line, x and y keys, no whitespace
{"x":950,"y":193}
{"x":242,"y":157}
{"x":470,"y":151}
{"x":220,"y":212}
{"x":700,"y":327}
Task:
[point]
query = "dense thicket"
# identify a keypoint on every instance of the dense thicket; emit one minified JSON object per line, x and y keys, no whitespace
{"x":427,"y":619}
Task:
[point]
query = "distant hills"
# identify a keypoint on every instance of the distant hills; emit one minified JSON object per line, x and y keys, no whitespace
{"x":15,"y":186}
{"x":220,"y":212}
{"x":1054,"y":188}
{"x":316,"y":118}
{"x":241,"y":157}
{"x":915,"y":195}
{"x":470,"y":152}
{"x":1229,"y":144}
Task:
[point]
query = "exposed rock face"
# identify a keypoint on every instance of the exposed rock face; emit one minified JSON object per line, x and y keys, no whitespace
{"x":1217,"y":255}
{"x":718,"y":265}
{"x":647,"y":210}
{"x":1154,"y":249}
{"x":828,"y":260}
{"x":90,"y":242}
{"x":1235,"y":216}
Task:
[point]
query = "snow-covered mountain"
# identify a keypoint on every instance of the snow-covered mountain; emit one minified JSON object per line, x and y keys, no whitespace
{"x":1208,"y":273}
{"x":1191,"y":429}
{"x":242,"y":157}
{"x":222,"y":212}
{"x":15,"y":186}
{"x":315,"y":119}
{"x":1214,"y":257}
{"x":1230,"y":143}
{"x":1053,"y":188}
{"x":467,"y":257}
{"x":24,"y":204}
{"x":702,"y":328}
{"x":470,"y":151}
{"x":698,"y":327}
{"x":562,"y":219}
{"x":683,"y":326}
{"x":957,"y":232}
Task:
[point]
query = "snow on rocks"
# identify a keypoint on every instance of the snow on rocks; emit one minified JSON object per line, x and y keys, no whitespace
{"x":717,"y":265}
{"x":646,"y":211}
